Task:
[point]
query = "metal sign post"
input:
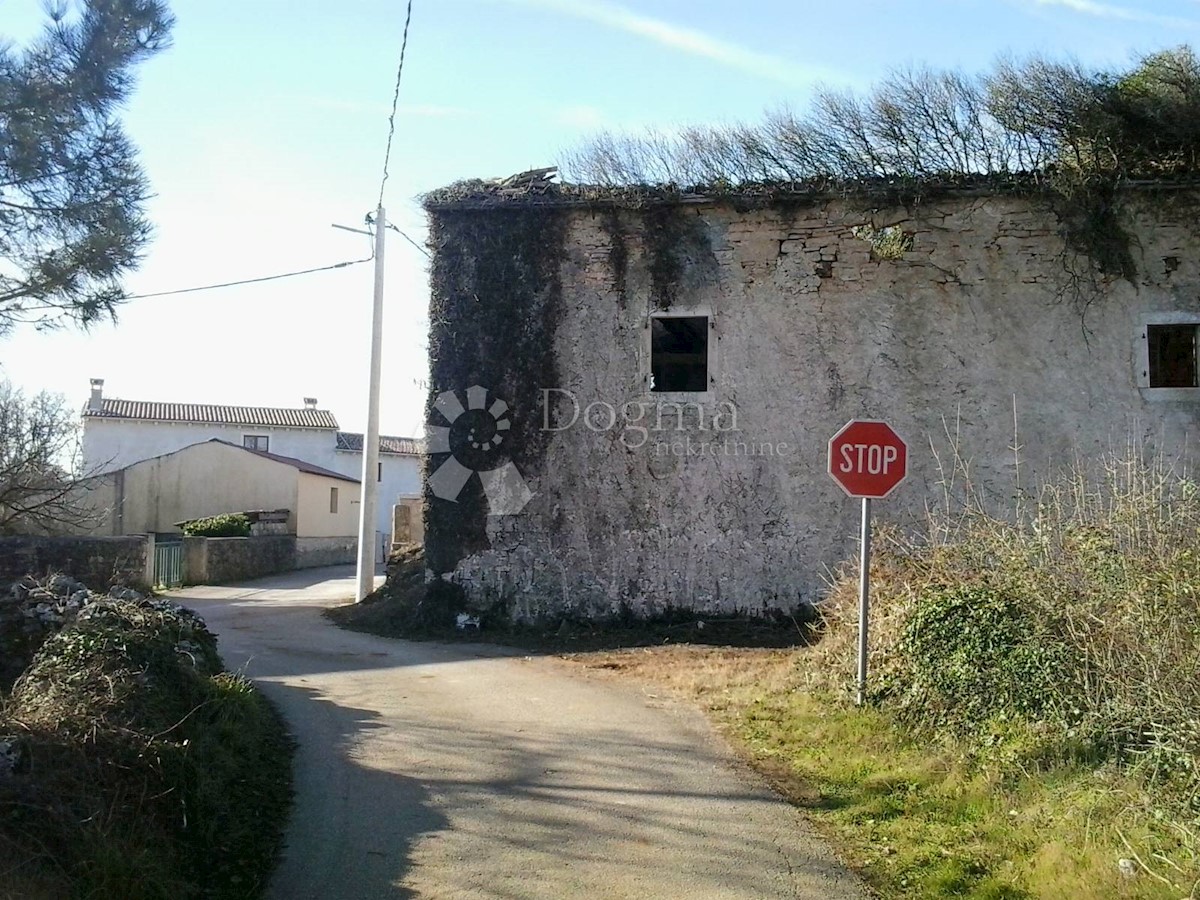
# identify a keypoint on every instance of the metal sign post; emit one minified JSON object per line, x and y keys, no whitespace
{"x":864,"y":596}
{"x":868,"y":460}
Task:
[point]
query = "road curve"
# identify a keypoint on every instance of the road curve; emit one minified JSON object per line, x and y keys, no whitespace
{"x":452,"y":771}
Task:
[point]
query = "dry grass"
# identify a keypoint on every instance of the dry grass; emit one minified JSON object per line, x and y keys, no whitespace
{"x":719,"y":678}
{"x":1099,"y":572}
{"x":918,"y":819}
{"x":977,"y":771}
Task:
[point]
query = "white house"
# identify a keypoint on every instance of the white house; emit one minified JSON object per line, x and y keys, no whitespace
{"x":117,"y":433}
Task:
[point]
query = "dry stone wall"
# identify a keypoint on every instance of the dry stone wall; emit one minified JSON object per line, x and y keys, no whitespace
{"x":223,"y":560}
{"x":964,"y":321}
{"x":99,"y":562}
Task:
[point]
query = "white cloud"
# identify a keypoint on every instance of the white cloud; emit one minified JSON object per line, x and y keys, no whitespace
{"x":1123,"y":13}
{"x":687,"y":40}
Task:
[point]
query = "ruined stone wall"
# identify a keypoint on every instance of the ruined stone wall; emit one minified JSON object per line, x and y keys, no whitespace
{"x":986,"y":318}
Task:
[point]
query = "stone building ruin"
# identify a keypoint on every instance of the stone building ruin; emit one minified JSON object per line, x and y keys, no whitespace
{"x":671,"y":365}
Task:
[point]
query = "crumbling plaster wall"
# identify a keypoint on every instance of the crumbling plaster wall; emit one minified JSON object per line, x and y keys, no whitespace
{"x":977,"y":321}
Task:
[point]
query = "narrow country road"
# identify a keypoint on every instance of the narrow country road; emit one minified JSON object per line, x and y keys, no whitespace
{"x":458,"y":771}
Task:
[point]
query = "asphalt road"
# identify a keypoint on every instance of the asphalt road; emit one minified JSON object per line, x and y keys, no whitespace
{"x":454,"y":771}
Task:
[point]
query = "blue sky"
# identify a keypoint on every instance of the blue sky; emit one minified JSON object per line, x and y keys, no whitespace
{"x":266,"y":122}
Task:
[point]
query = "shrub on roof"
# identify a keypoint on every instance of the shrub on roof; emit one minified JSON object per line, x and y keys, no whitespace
{"x":1036,"y":116}
{"x":1069,"y":135}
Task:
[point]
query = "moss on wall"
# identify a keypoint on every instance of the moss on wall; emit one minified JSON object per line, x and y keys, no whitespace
{"x":676,"y":247}
{"x":664,"y":235}
{"x":618,"y":251}
{"x":495,"y":302}
{"x":1095,"y":224}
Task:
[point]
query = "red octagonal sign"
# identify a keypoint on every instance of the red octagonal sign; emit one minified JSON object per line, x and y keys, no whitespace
{"x":868,"y":459}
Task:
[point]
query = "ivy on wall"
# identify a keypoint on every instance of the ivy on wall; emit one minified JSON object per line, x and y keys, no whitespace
{"x":495,"y":303}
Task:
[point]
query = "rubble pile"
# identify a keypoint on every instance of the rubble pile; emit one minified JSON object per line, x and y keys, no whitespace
{"x":31,"y":610}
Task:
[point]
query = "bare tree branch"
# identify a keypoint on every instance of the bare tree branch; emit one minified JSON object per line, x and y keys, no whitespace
{"x":41,"y":490}
{"x":1036,"y":116}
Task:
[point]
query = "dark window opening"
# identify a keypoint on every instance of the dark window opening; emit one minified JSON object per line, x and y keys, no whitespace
{"x":1172,"y":356}
{"x":255,"y":442}
{"x":679,"y":353}
{"x":379,"y":473}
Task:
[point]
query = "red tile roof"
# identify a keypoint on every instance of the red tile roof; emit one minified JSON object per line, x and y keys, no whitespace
{"x":210,"y":414}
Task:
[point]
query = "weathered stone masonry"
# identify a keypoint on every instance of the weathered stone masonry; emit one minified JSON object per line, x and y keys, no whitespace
{"x":99,"y":562}
{"x":984,"y":318}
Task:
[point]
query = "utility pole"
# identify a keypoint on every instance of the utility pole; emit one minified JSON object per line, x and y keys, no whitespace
{"x":370,"y":477}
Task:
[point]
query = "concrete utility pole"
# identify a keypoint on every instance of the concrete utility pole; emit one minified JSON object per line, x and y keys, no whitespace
{"x":370,"y":478}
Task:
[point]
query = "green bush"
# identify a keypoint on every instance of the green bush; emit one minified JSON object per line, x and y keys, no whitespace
{"x":974,"y":653}
{"x":228,"y":525}
{"x":1067,"y":626}
{"x":144,"y":770}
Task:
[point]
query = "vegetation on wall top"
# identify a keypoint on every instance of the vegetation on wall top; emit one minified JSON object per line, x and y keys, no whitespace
{"x":1034,"y":117}
{"x":227,"y":525}
{"x":1069,"y":134}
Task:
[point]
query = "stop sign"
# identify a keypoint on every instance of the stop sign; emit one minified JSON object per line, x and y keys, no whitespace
{"x":868,"y":459}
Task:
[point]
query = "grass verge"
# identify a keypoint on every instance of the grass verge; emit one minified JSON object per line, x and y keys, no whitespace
{"x":919,"y":819}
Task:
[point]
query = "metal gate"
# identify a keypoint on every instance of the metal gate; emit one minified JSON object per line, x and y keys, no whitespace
{"x":168,"y":565}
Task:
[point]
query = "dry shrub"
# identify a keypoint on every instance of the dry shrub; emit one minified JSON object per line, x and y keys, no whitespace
{"x":1036,"y":115}
{"x":142,"y":769}
{"x":1072,"y":617}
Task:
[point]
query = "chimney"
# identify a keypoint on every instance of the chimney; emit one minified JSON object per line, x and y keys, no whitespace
{"x":310,"y":402}
{"x":97,"y":398}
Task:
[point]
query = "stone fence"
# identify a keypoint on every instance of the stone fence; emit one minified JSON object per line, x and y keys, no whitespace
{"x":325,"y":551}
{"x":99,"y":562}
{"x":218,"y":560}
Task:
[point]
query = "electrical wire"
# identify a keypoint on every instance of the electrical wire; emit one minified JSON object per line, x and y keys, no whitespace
{"x":225,"y":284}
{"x":410,"y":240}
{"x":382,"y":184}
{"x":387,"y":155}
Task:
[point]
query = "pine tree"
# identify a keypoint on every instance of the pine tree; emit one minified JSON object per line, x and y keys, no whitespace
{"x":71,"y":190}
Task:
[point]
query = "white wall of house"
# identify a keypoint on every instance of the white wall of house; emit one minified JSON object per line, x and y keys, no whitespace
{"x":97,"y":500}
{"x":212,"y":478}
{"x":112,"y":443}
{"x":401,"y":480}
{"x":206,"y":479}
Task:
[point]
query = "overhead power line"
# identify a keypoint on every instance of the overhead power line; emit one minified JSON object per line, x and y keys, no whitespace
{"x":226,"y":284}
{"x":383,"y":182}
{"x":407,"y":238}
{"x":387,"y":155}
